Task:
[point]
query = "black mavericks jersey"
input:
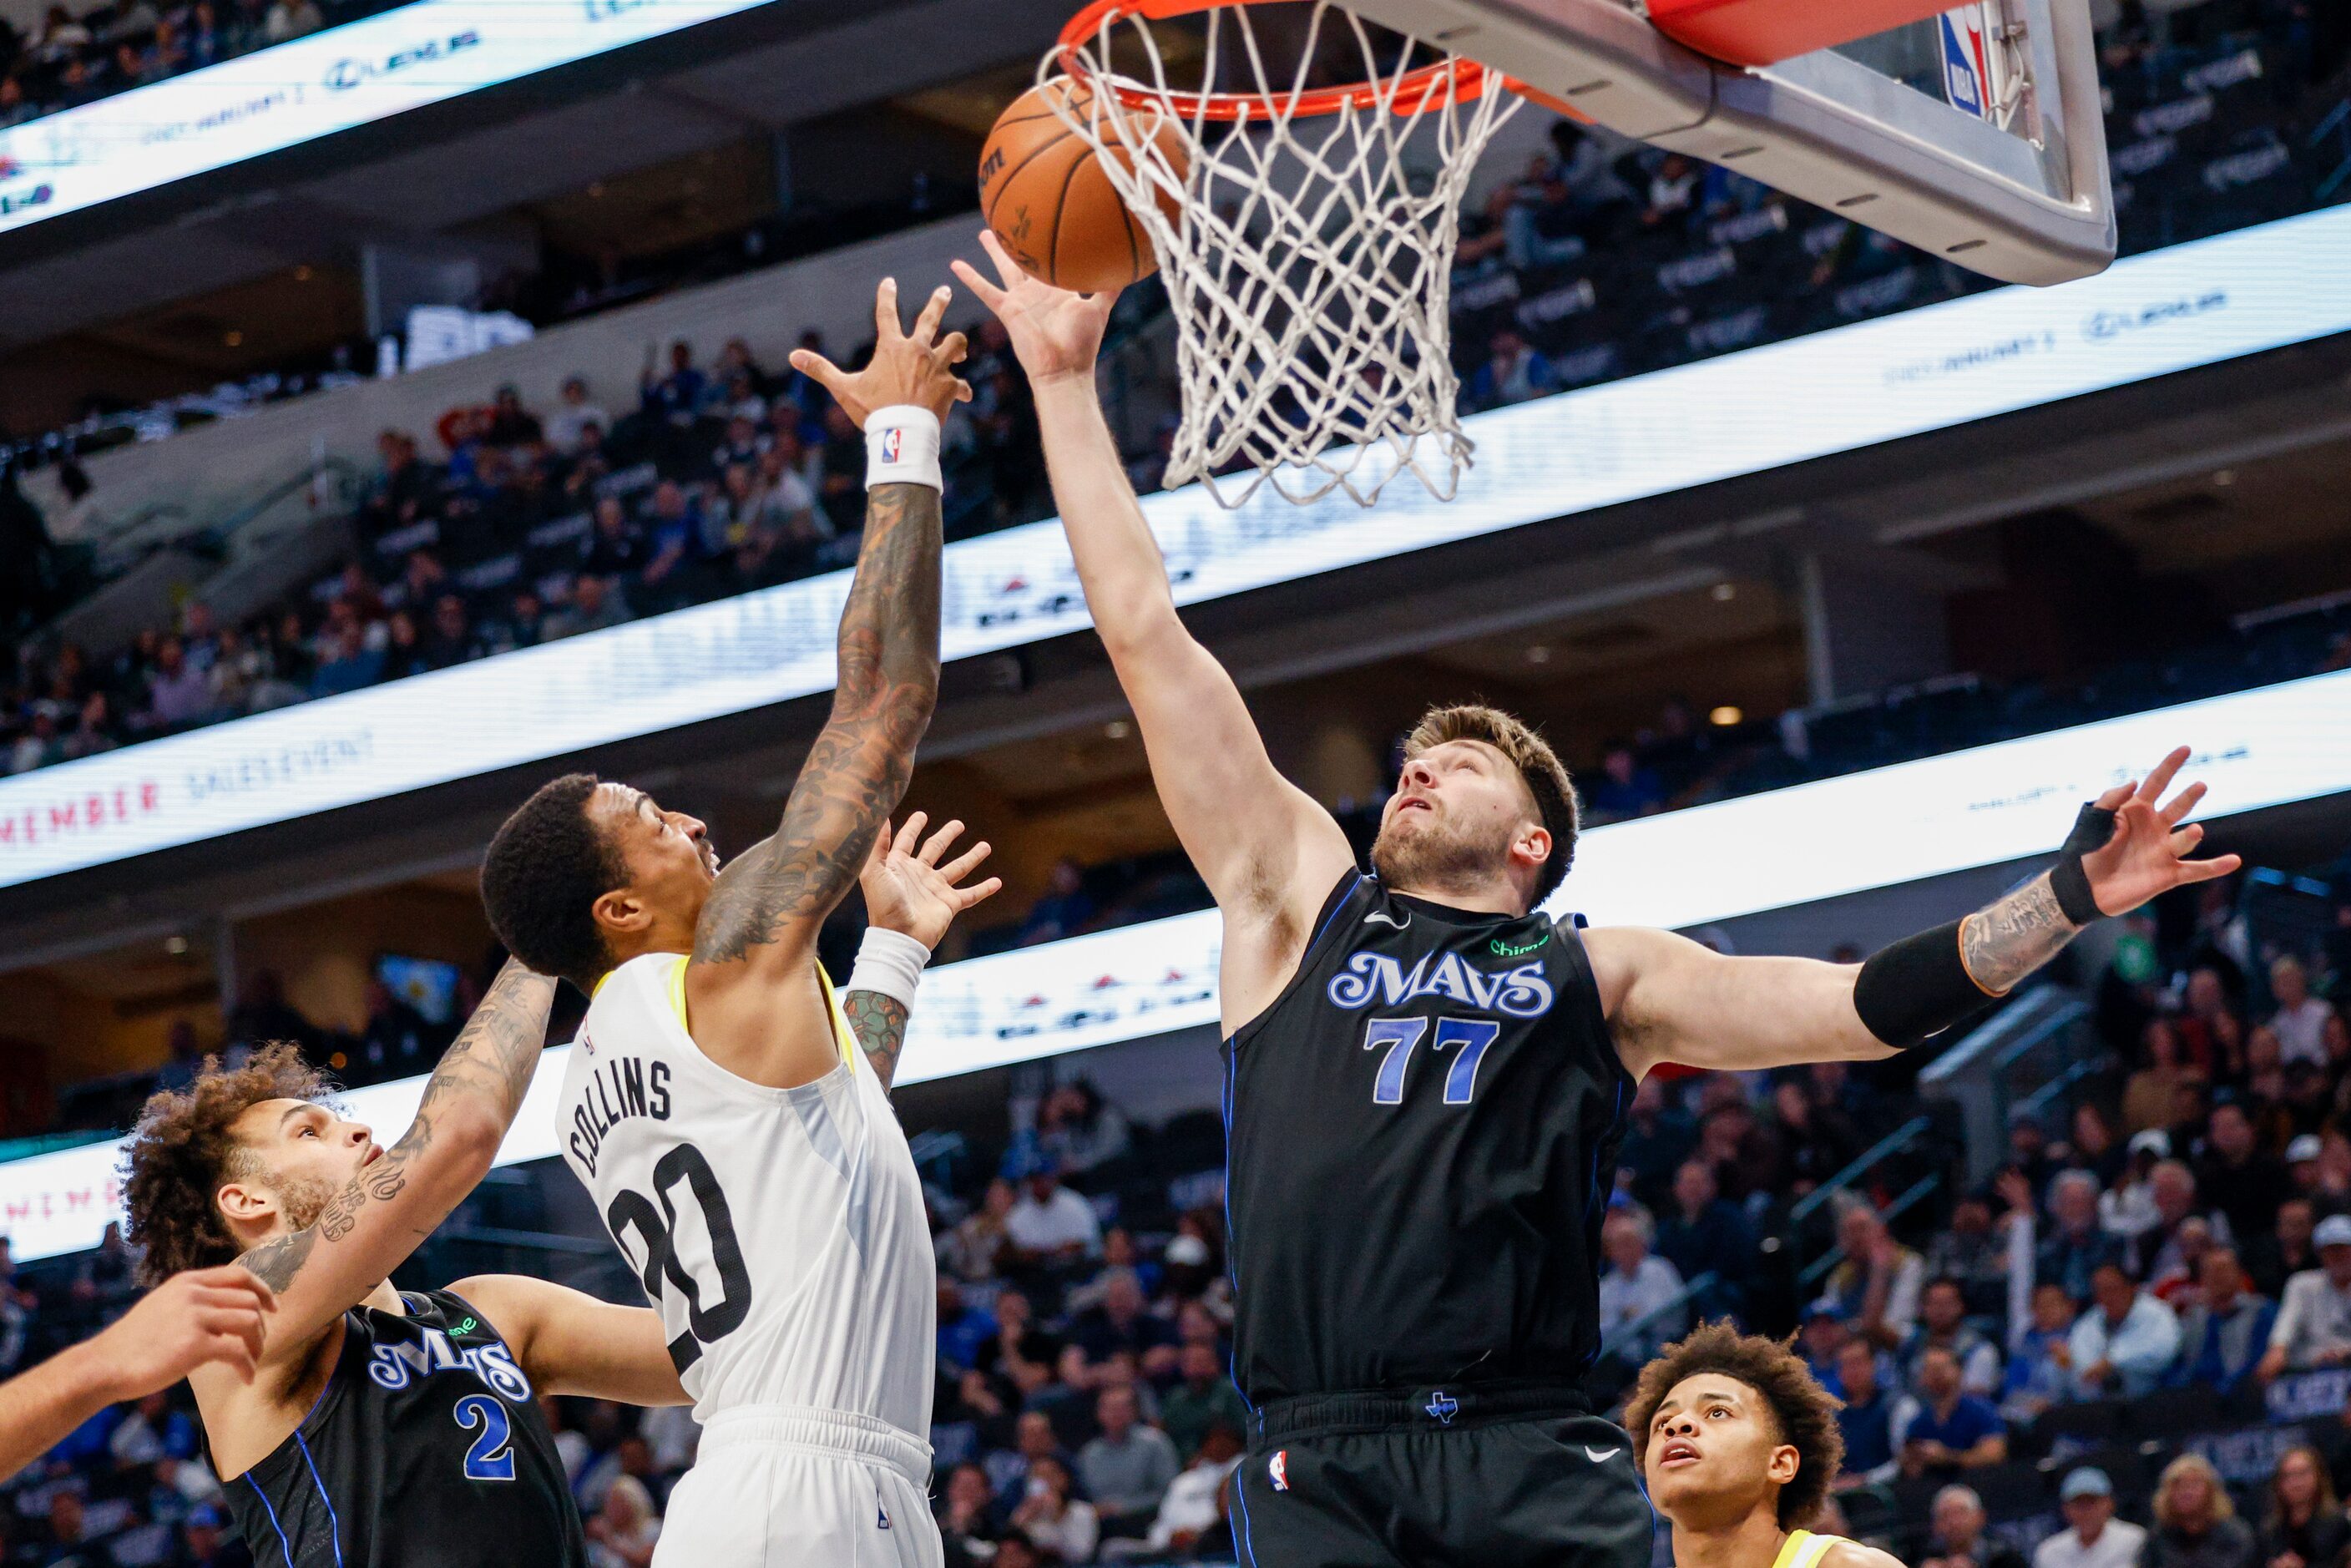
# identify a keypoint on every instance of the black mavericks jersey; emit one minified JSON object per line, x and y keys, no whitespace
{"x":1422,"y":1133}
{"x":425,"y":1447}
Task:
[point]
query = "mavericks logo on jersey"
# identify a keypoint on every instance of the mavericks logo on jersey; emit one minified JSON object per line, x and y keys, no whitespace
{"x":1368,"y":977}
{"x":395,"y":1366}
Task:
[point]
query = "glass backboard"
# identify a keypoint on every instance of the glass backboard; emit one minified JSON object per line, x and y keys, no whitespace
{"x":1976,"y":134}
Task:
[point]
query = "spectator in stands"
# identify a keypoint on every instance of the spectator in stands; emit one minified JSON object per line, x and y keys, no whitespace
{"x":2307,"y":1027}
{"x":1193,"y":1507}
{"x":1053,"y":1227}
{"x":2209,"y":1028}
{"x":205,"y":1541}
{"x":1203,"y":1399}
{"x":1877,"y":1287}
{"x":2226,"y":1327}
{"x":1626,"y":788}
{"x":1973,"y":1253}
{"x":1865,"y":1419}
{"x":1940,"y":1428}
{"x":975,"y":1250}
{"x":262,"y":1013}
{"x":2126,"y":1210}
{"x":2239,"y":1177}
{"x":1079,"y":1131}
{"x":1641,"y":1308}
{"x":2153,"y":1092}
{"x":1128,"y":1467}
{"x":2287,"y":1250}
{"x":2041,"y":1362}
{"x":2078,"y":1246}
{"x":2124,"y":1342}
{"x":2092,"y":1536}
{"x":1701,"y":1233}
{"x":595,"y":604}
{"x":291,"y":19}
{"x":2157,"y":1253}
{"x":1055,"y":1519}
{"x":2314,"y":1321}
{"x":967,"y":1518}
{"x":1064,"y":909}
{"x":1658,"y":1139}
{"x":567,"y":427}
{"x":2196,"y":1525}
{"x":1121,"y":1324}
{"x":1943,"y":1326}
{"x":1513,"y":373}
{"x":1957,"y":1520}
{"x":623,"y":1532}
{"x":2305,"y":1527}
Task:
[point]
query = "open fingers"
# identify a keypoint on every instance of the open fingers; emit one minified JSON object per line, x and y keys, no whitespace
{"x":979,"y":893}
{"x":2112,"y":800}
{"x":823,"y":372}
{"x":1007,"y":268}
{"x":986,"y":292}
{"x":2181,"y":804}
{"x":939,"y":841}
{"x":964,"y":865}
{"x":2152,"y":787}
{"x":934,"y":311}
{"x":888,"y":326}
{"x":952,"y":348}
{"x":911,"y":834}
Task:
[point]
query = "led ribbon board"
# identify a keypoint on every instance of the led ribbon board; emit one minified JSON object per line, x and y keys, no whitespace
{"x":1856,"y":386}
{"x":1916,"y":820}
{"x":295,"y":92}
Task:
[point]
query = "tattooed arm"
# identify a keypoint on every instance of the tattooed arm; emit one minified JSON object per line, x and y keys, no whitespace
{"x":908,"y":890}
{"x":1669,"y":1000}
{"x":369,"y":1227}
{"x":756,"y":944}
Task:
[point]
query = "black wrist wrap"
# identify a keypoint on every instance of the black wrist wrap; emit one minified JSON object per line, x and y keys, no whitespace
{"x":2067,"y":880}
{"x":1916,"y":987}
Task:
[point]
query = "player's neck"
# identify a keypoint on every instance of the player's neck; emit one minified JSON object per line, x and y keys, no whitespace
{"x":1750,"y":1541}
{"x":1497,"y":898}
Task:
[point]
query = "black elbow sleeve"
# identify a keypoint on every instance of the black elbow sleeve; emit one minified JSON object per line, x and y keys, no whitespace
{"x":1916,"y":988}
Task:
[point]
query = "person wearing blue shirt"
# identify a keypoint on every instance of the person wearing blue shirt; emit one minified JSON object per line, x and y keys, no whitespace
{"x":1866,"y":1418}
{"x":2224,"y":1334}
{"x":1941,"y":1429}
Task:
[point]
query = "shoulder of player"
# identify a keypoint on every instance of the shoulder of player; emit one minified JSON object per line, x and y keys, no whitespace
{"x":1853,"y":1554}
{"x":512,"y":1305}
{"x":1622,"y":955}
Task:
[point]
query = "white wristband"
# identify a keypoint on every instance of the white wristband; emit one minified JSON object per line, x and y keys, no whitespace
{"x":889,"y":964}
{"x":902,"y":446}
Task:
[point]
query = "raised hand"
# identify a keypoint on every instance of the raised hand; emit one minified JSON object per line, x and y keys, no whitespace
{"x":1055,"y":334}
{"x":2147,"y":853}
{"x":906,"y":367}
{"x":908,"y":891}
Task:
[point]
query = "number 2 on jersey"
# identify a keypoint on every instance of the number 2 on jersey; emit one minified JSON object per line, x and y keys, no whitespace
{"x":1465,"y":1038}
{"x":657,"y":1230}
{"x":491,"y":1458}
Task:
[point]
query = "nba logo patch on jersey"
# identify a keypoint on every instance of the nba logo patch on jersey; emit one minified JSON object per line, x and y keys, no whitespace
{"x":882,"y":1514}
{"x":1278,"y":1468}
{"x":586,"y":1045}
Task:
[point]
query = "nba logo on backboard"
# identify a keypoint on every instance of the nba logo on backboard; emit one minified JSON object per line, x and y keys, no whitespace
{"x":890,"y":439}
{"x":1967,"y":62}
{"x":1278,"y":1467}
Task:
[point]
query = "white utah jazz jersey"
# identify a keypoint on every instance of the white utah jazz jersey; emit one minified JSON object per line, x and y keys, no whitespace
{"x":780,"y":1232}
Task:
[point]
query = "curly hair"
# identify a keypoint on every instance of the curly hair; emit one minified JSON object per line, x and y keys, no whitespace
{"x":184,"y":1147}
{"x":545,"y":869}
{"x":1531,"y":754}
{"x":1804,"y":1412}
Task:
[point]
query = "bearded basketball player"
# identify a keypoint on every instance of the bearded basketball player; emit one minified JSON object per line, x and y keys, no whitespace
{"x":732,"y":1125}
{"x":1740,"y":1446}
{"x":1426,"y":1075}
{"x":378,"y":1427}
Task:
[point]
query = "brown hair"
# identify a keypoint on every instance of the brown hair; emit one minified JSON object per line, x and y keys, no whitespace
{"x":1531,"y":754}
{"x":1804,"y":1412}
{"x":184,"y":1147}
{"x":2323,"y":1505}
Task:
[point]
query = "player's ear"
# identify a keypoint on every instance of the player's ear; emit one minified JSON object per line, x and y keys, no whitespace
{"x":1532,"y":846}
{"x":245,"y":1203}
{"x":1784,"y":1464}
{"x":622,"y":910}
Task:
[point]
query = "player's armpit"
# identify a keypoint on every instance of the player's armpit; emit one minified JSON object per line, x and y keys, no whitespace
{"x":1853,"y":1554}
{"x":569,"y":1342}
{"x":369,"y":1228}
{"x":1669,"y":1000}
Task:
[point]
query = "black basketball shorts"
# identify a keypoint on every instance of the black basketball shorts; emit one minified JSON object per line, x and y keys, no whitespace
{"x":1439,"y":1479}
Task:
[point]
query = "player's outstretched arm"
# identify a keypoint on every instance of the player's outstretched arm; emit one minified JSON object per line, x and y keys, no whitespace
{"x":1669,"y":1000}
{"x":569,"y":1342}
{"x":910,"y":900}
{"x":370,"y":1226}
{"x":759,"y":928}
{"x":1267,"y":850}
{"x":204,"y":1315}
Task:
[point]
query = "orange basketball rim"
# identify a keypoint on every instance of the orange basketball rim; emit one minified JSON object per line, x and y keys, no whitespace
{"x":1459,"y":79}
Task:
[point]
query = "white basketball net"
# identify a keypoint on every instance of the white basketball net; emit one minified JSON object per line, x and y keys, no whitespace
{"x":1309,"y":267}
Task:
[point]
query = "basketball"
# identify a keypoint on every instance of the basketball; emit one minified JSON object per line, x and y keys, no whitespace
{"x":1048,"y":198}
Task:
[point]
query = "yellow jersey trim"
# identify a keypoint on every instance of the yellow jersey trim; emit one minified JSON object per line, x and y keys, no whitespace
{"x":844,"y":1035}
{"x":1803,"y":1549}
{"x":677,"y":990}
